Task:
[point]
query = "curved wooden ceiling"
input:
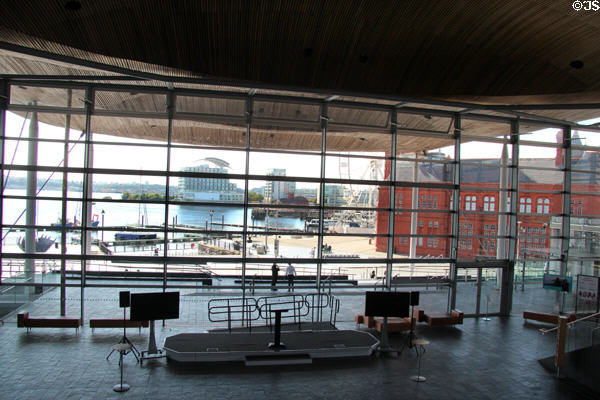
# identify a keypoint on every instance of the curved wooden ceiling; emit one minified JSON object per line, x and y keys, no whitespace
{"x":441,"y":49}
{"x":494,"y":53}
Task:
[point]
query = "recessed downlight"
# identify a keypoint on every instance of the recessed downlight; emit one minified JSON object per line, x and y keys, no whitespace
{"x":577,"y":64}
{"x":73,"y":5}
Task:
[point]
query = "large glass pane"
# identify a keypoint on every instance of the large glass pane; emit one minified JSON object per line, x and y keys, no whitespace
{"x":274,"y":133}
{"x":427,"y":232}
{"x":350,"y":246}
{"x":49,"y":140}
{"x":130,"y":101}
{"x":46,"y":96}
{"x":432,"y":149}
{"x":285,"y":111}
{"x":211,"y":106}
{"x":352,"y":195}
{"x":584,"y":245}
{"x":292,"y":193}
{"x":208,"y":134}
{"x":352,"y":119}
{"x":204,"y":160}
{"x":477,"y":291}
{"x":279,"y":243}
{"x":297,"y":165}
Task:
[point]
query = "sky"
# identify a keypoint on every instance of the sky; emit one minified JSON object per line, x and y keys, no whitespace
{"x":148,"y":158}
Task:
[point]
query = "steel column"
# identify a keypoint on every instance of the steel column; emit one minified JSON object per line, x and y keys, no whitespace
{"x":63,"y":221}
{"x":566,"y":220}
{"x":455,"y":213}
{"x":4,"y":99}
{"x":324,"y":119}
{"x":249,"y":111}
{"x":507,"y":275}
{"x":392,"y":200}
{"x":30,"y":214}
{"x":412,"y":253}
{"x":171,"y":101}
{"x":87,"y":190}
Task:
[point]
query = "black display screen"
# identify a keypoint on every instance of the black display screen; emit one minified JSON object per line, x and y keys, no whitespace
{"x":154,"y":306}
{"x":387,"y":304}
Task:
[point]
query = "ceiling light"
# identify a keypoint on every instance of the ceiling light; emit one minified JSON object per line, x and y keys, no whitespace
{"x":576,"y":64}
{"x":72,"y":5}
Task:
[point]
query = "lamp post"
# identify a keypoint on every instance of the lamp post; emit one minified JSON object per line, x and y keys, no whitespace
{"x":211,"y":213}
{"x":102,"y":213}
{"x":266,"y":228}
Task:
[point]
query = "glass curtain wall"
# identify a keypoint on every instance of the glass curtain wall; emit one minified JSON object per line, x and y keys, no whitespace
{"x":484,"y":217}
{"x":206,"y":190}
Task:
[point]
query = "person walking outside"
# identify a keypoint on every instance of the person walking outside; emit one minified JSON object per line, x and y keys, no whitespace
{"x":274,"y":273}
{"x":290,"y":271}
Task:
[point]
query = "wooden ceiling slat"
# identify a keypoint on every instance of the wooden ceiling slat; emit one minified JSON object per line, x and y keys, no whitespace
{"x":442,"y":48}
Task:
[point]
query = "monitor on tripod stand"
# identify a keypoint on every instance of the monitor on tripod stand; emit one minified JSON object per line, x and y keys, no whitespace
{"x":154,"y":306}
{"x":124,"y":302}
{"x":413,"y":301}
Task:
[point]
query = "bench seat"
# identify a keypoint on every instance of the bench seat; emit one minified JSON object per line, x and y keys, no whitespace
{"x":395,"y":324}
{"x":369,"y":322}
{"x":24,"y":321}
{"x":116,"y":323}
{"x":546,"y":317}
{"x":455,"y":317}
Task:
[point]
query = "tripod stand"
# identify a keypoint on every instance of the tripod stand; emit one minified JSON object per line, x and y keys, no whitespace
{"x":411,"y":335}
{"x":125,"y":340}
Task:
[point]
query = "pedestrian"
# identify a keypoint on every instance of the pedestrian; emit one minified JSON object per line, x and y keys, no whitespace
{"x":274,"y":273}
{"x":290,"y":271}
{"x":156,"y":251}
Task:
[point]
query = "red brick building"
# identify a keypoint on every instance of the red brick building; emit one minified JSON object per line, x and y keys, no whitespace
{"x":480,"y":201}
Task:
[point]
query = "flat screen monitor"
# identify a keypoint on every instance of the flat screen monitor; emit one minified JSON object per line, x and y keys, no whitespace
{"x":154,"y":306}
{"x":387,"y":304}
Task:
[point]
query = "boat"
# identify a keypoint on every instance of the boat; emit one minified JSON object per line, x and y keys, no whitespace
{"x":68,"y":224}
{"x":328,"y":224}
{"x":95,"y":221}
{"x":355,"y":222}
{"x":135,"y":236}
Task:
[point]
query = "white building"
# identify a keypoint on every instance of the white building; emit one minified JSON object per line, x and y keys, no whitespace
{"x":205,"y":188}
{"x":275,"y":190}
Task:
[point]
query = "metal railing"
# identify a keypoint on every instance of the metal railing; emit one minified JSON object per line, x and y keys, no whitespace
{"x":296,"y":303}
{"x":233,"y":310}
{"x":596,"y":315}
{"x":297,"y":306}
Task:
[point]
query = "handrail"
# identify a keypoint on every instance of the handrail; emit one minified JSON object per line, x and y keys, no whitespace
{"x":7,"y":289}
{"x":571,"y":323}
{"x":239,"y":310}
{"x":221,"y":310}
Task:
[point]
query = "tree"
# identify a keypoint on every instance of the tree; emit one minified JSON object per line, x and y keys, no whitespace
{"x":253,"y":196}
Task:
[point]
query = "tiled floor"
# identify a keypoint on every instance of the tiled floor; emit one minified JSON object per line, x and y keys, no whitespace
{"x":494,"y":359}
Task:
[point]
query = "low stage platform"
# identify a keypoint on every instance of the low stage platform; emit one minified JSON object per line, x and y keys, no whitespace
{"x":299,"y":347}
